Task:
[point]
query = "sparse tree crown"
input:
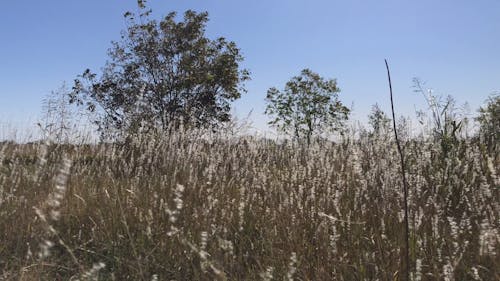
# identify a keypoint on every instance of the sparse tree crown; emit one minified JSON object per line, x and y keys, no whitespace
{"x":308,"y":106}
{"x":378,"y":120}
{"x":489,"y":123}
{"x":162,"y":72}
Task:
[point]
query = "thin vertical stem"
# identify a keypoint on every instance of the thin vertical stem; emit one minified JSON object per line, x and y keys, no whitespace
{"x":405,"y":185}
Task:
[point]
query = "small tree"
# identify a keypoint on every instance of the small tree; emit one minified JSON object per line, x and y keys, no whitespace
{"x":489,"y":123}
{"x":163,"y":72}
{"x":378,"y":120}
{"x":308,"y":106}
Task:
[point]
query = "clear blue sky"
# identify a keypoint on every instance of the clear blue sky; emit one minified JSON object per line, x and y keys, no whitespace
{"x":453,"y":45}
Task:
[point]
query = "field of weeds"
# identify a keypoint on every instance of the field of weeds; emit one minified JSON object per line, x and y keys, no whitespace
{"x":188,"y":208}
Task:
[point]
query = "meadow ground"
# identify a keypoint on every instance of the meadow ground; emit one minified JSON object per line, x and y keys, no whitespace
{"x":184,"y":207}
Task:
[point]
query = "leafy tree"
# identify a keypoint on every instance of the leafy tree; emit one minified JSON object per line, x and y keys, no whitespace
{"x":489,"y":123}
{"x":378,"y":120}
{"x":308,"y":106}
{"x":161,"y":73}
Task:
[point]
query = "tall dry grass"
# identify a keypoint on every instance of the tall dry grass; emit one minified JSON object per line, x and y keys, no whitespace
{"x":185,"y":207}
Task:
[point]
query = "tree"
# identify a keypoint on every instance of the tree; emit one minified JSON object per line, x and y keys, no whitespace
{"x":489,"y":123}
{"x":378,"y":120}
{"x":163,"y":73}
{"x":308,"y":106}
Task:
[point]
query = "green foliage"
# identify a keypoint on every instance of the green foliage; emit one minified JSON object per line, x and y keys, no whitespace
{"x":161,"y":73}
{"x":378,"y":120}
{"x":489,"y":123}
{"x":307,"y":106}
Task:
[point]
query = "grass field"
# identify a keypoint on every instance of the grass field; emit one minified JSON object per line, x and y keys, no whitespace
{"x":182,"y":207}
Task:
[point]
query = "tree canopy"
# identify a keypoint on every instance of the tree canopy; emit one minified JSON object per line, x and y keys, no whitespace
{"x":378,"y":120}
{"x":308,"y":106}
{"x":163,"y":72}
{"x":489,"y":123}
